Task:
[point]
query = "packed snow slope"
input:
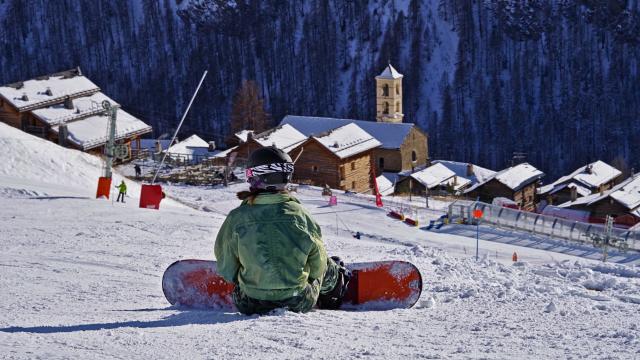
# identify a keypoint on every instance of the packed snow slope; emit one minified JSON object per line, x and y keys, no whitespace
{"x":81,"y":279}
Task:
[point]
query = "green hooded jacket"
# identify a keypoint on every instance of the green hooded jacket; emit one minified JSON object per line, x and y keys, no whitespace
{"x":271,"y":248}
{"x":122,"y":187}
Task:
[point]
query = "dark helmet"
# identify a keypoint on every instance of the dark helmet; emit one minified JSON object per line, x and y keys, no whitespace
{"x":269,"y":168}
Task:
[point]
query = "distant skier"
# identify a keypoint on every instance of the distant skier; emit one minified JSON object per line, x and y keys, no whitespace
{"x":138,"y":171}
{"x":122,"y":188}
{"x":272,"y":249}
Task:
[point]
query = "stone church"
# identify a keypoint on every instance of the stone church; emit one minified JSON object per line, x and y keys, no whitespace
{"x":403,"y":145}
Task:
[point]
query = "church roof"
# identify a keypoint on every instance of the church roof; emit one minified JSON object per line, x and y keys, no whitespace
{"x":389,"y":73}
{"x":391,"y":135}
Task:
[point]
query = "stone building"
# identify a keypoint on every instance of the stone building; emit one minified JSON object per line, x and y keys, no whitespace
{"x":389,"y":96}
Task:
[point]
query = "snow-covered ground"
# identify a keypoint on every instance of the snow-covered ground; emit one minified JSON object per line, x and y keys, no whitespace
{"x":81,"y":279}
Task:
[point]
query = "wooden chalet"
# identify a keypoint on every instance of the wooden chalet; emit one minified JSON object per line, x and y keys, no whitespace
{"x":403,"y":145}
{"x":622,"y":202}
{"x":443,"y":177}
{"x":436,"y":179}
{"x":340,"y":158}
{"x":518,"y":183}
{"x":589,"y":179}
{"x":66,"y":108}
{"x":284,"y":137}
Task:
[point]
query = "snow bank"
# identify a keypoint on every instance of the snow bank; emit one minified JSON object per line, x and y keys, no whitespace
{"x":31,"y":164}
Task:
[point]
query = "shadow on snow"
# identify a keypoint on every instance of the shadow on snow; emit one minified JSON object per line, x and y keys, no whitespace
{"x":185,"y":317}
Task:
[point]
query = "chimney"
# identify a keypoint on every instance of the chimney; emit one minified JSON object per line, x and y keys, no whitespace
{"x":589,"y":168}
{"x":78,"y":71}
{"x":212,"y":146}
{"x":63,"y":133}
{"x":68,"y":103}
{"x":574,"y":193}
{"x":24,"y":97}
{"x":469,"y":170}
{"x":48,"y":92}
{"x":249,"y":135}
{"x":455,"y":180}
{"x":158,"y":147}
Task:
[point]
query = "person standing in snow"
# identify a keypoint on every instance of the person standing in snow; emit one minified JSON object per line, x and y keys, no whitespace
{"x":122,"y":188}
{"x":138,"y":171}
{"x":272,"y":249}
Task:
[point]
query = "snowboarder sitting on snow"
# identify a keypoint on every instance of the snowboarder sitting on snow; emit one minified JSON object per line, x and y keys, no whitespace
{"x":122,"y":188}
{"x":272,"y":249}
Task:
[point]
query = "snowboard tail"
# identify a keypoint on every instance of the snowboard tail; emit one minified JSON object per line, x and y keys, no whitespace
{"x":382,"y":285}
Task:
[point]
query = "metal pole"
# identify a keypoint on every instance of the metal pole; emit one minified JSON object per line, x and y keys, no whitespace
{"x":179,"y":125}
{"x":477,"y":237}
{"x":110,"y":149}
{"x":426,"y":197}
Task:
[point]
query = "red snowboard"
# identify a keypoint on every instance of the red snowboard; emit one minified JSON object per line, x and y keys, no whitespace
{"x":381,"y":285}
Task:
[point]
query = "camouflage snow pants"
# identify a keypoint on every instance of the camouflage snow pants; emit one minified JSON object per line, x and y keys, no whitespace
{"x":302,"y":302}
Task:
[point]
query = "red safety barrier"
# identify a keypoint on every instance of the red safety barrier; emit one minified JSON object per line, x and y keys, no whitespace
{"x":150,"y":196}
{"x":396,"y":215}
{"x":411,"y":222}
{"x":104,"y":187}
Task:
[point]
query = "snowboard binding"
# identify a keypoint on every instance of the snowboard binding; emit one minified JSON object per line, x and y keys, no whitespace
{"x":333,"y":299}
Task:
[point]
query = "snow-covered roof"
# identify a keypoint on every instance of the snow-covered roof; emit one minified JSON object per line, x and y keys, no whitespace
{"x":386,"y":183}
{"x":223,"y":153}
{"x":389,"y":73}
{"x":243,"y":135}
{"x":518,"y":176}
{"x":478,"y":173}
{"x":627,"y":193}
{"x":439,"y":175}
{"x":91,"y":132}
{"x":590,"y":176}
{"x":515,"y":177}
{"x":284,"y":137}
{"x":47,"y":90}
{"x":82,"y":107}
{"x":188,"y":146}
{"x":348,"y":140}
{"x":391,"y":135}
{"x":580,"y":190}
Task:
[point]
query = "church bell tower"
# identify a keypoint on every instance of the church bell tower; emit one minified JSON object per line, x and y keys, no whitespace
{"x":389,"y":96}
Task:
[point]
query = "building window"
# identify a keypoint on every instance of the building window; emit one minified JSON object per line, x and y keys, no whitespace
{"x":398,"y":107}
{"x":386,"y":108}
{"x":314,"y":168}
{"x":414,"y":156}
{"x":353,"y":185}
{"x":353,"y":165}
{"x":397,"y":89}
{"x":381,"y":163}
{"x":385,"y":90}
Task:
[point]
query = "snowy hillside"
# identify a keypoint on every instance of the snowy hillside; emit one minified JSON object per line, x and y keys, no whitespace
{"x":38,"y":165}
{"x":81,"y":279}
